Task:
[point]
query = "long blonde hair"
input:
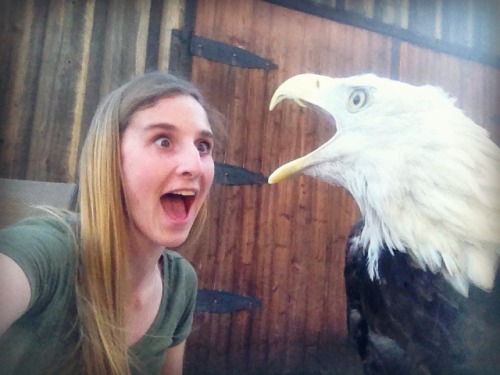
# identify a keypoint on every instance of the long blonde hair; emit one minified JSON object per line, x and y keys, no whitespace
{"x":103,"y":216}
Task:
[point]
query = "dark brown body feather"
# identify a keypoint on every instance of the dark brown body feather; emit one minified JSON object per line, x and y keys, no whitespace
{"x":410,"y":321}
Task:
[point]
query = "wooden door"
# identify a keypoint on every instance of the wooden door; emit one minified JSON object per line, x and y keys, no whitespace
{"x":284,"y":244}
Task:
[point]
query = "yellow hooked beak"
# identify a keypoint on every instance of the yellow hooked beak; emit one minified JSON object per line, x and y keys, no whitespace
{"x":302,"y":88}
{"x":288,"y":170}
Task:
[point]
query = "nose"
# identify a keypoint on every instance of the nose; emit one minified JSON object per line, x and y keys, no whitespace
{"x":189,"y":162}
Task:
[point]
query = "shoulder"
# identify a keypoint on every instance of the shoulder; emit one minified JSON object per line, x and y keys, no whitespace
{"x":33,"y":237}
{"x":36,"y":228}
{"x":44,"y":248}
{"x":179,"y":294}
{"x":179,"y":268}
{"x":175,"y":257}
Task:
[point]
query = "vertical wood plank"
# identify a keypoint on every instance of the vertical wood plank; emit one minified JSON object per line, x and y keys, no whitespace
{"x":25,"y":42}
{"x":392,"y":12}
{"x":422,"y":17}
{"x":81,"y":85}
{"x":364,"y":7}
{"x":10,"y":35}
{"x":125,"y":25}
{"x":457,"y":22}
{"x":173,"y":13}
{"x":46,"y":109}
{"x":486,"y":29}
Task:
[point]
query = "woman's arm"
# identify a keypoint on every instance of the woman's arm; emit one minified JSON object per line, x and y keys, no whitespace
{"x":15,"y":292}
{"x":174,"y":359}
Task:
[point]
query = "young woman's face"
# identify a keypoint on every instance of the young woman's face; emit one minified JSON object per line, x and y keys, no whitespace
{"x":167,"y":169}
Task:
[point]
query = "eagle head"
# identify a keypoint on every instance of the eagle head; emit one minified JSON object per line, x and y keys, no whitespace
{"x":424,"y":175}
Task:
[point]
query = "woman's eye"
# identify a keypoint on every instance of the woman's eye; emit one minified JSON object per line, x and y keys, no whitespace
{"x":163,"y":142}
{"x":204,"y":147}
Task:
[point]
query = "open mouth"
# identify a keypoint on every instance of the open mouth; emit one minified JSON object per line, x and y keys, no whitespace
{"x":177,"y":204}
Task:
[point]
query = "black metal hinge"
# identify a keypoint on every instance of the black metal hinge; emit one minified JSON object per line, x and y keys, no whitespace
{"x":228,"y":54}
{"x":226,"y":174}
{"x":218,"y":301}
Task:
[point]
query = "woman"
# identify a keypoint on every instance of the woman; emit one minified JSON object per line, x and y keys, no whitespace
{"x":100,"y":294}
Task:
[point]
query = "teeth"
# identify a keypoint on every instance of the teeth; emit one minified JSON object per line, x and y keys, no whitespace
{"x":184,"y":192}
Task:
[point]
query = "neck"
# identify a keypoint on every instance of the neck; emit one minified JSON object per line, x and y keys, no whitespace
{"x":143,"y":261}
{"x":145,"y":287}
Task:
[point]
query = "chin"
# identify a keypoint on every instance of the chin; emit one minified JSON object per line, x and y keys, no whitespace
{"x":174,"y":244}
{"x":174,"y":240}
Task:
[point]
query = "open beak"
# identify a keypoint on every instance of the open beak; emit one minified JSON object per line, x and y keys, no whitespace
{"x":303,"y":89}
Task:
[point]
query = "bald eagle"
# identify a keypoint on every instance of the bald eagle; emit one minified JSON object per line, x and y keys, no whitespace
{"x":421,"y":263}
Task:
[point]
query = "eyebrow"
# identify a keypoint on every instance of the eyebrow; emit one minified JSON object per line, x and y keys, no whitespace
{"x":170,"y":127}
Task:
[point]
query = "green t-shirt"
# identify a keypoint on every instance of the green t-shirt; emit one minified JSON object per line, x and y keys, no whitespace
{"x":41,"y":340}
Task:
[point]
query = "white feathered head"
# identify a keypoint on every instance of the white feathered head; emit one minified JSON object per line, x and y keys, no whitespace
{"x":425,"y":177}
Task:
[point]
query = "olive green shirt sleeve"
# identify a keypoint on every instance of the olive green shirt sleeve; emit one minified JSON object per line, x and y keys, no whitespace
{"x":44,"y":248}
{"x":40,"y":339}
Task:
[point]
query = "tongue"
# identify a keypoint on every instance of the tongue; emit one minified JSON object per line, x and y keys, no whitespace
{"x":174,"y":206}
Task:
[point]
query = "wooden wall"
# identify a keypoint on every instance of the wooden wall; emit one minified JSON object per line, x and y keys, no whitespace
{"x":57,"y":59}
{"x":282,"y":244}
{"x":459,"y":24}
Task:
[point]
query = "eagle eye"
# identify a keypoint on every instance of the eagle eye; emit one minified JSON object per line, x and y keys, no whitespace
{"x":357,"y":100}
